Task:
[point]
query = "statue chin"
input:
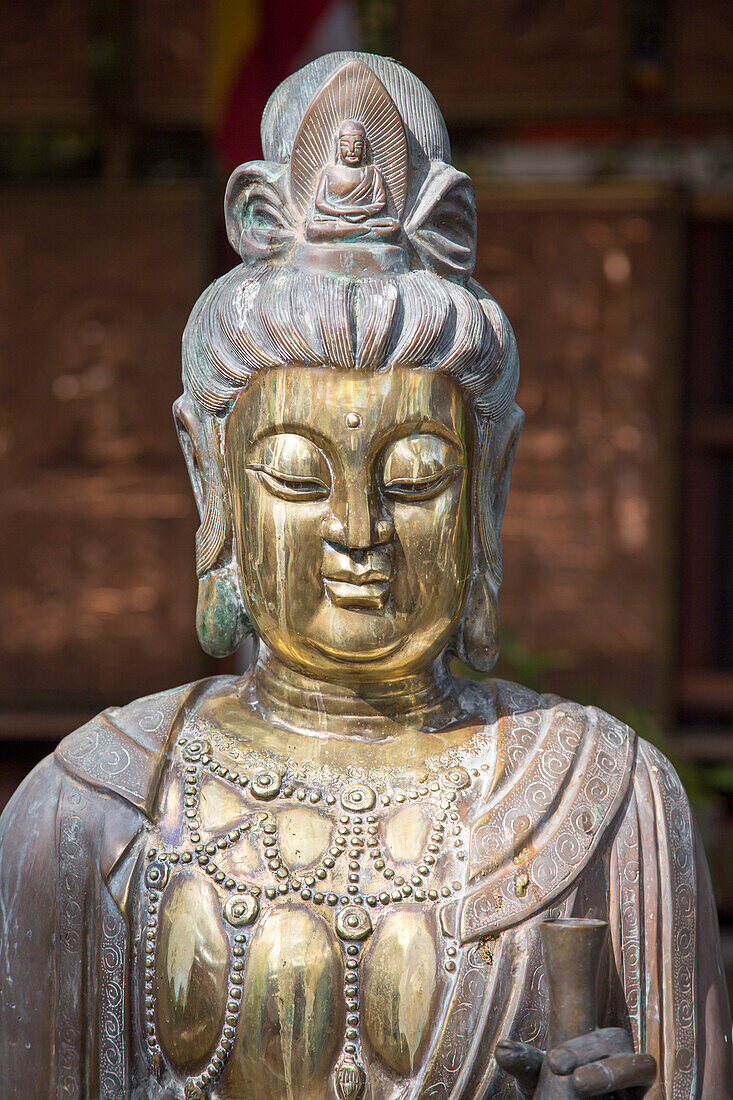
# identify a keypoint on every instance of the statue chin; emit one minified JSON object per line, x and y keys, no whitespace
{"x":353,"y":656}
{"x":367,"y":646}
{"x":352,"y":637}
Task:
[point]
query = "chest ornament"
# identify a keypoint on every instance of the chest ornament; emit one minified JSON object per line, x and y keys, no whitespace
{"x":345,"y":877}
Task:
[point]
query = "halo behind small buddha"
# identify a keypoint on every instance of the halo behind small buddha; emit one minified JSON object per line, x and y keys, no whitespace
{"x":427,"y":136}
{"x":355,"y":93}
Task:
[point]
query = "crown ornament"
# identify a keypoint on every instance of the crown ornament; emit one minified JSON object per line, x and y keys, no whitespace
{"x":360,"y":181}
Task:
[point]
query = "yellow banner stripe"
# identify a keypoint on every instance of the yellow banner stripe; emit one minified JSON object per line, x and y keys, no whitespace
{"x":237,"y":25}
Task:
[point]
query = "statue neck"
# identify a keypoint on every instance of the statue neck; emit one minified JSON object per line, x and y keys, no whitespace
{"x":375,"y":711}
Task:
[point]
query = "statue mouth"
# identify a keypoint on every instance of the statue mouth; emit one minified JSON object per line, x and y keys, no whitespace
{"x":358,"y":585}
{"x":366,"y":592}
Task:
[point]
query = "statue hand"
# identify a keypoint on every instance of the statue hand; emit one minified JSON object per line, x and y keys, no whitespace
{"x":603,"y":1062}
{"x":522,"y":1062}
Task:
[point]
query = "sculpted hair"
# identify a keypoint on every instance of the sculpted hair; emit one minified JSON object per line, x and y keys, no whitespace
{"x":253,"y":319}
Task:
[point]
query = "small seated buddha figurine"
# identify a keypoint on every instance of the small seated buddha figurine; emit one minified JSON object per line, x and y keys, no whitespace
{"x":351,"y":873}
{"x":351,"y":194}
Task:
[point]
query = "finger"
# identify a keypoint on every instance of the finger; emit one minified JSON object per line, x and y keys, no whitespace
{"x":520,"y":1060}
{"x":619,"y":1072}
{"x":589,"y":1048}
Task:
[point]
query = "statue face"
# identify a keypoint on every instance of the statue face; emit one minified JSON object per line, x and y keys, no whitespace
{"x":351,"y":146}
{"x":350,"y":499}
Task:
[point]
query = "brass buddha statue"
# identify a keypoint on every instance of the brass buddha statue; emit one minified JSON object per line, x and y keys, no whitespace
{"x":330,"y":878}
{"x":351,"y":198}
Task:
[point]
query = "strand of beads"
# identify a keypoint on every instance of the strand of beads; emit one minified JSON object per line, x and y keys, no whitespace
{"x":196,"y":1086}
{"x":191,"y":799}
{"x":156,"y":876}
{"x":198,"y":755}
{"x":304,"y":884}
{"x":356,"y":853}
{"x":355,"y":796}
{"x":353,"y":926}
{"x":238,"y":911}
{"x":350,"y":1075}
{"x":436,"y":839}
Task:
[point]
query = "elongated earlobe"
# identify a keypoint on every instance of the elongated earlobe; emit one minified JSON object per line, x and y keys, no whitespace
{"x":479,"y":633}
{"x":478,"y":636}
{"x":221,"y":621}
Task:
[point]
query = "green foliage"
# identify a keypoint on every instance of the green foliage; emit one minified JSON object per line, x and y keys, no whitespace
{"x":377,"y":25}
{"x":41,"y":153}
{"x":523,"y":665}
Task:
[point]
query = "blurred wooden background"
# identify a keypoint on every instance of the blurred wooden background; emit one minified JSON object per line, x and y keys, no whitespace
{"x":600,"y":139}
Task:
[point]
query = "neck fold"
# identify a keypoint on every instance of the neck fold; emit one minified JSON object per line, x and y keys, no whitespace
{"x":375,"y":711}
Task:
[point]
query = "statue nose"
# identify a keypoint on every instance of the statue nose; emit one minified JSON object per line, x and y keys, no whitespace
{"x":357,"y":518}
{"x":334,"y":530}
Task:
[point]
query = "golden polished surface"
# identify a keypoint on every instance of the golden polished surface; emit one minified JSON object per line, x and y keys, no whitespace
{"x":192,"y":963}
{"x":292,"y":1009}
{"x":334,"y":850}
{"x":350,"y":498}
{"x":401,"y":968}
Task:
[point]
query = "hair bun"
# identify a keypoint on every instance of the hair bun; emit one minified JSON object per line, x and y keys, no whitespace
{"x":409,"y":208}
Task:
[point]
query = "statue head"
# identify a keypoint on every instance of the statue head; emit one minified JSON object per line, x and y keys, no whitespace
{"x":349,"y":434}
{"x":352,"y":148}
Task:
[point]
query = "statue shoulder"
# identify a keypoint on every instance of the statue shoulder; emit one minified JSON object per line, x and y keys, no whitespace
{"x":530,"y":718}
{"x":582,"y":739}
{"x":656,"y":775}
{"x":492,"y":699}
{"x":123,"y":749}
{"x":530,"y":736}
{"x":31,"y":809}
{"x":559,"y":784}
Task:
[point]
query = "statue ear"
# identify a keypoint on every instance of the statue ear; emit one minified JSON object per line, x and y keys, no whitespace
{"x":257,"y":210}
{"x":189,"y":438}
{"x":479,"y":631}
{"x":477,"y":639}
{"x":504,"y":437}
{"x":221,"y":619}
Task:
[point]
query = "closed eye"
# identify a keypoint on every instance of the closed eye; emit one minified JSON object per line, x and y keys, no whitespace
{"x":289,"y":486}
{"x":421,"y":488}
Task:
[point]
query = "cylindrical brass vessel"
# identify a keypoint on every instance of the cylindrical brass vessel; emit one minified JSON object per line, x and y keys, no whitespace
{"x":572,"y":949}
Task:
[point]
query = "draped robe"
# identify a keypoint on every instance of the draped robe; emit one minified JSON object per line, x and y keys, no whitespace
{"x":596,"y":819}
{"x":366,"y":190}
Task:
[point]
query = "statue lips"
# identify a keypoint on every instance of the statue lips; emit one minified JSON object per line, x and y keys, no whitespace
{"x":358,"y":580}
{"x":358,"y":589}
